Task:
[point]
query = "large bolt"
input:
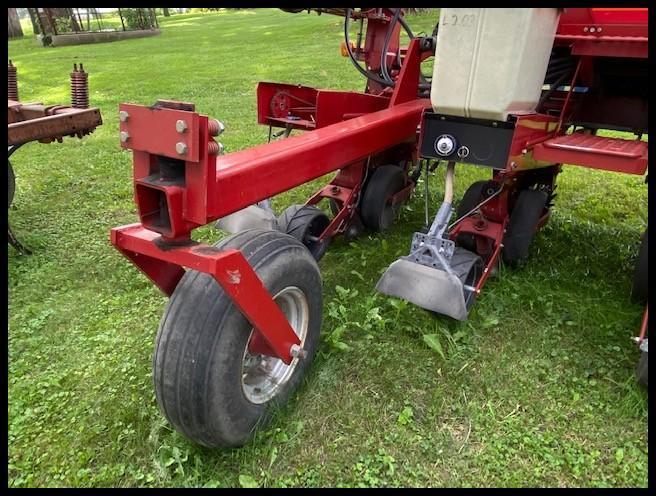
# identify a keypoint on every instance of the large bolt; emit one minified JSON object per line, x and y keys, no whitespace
{"x":214,"y":148}
{"x":180,"y":126}
{"x":181,"y":148}
{"x":123,"y":116}
{"x":297,"y":352}
{"x":124,"y":137}
{"x":215,"y":127}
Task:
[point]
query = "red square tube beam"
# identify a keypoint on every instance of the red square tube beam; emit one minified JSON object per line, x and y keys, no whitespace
{"x":252,"y":175}
{"x":230,"y":269}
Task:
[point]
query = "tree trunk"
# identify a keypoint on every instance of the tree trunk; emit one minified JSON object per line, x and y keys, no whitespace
{"x":14,"y":30}
{"x":166,"y":12}
{"x":34,"y":19}
{"x":75,"y":26}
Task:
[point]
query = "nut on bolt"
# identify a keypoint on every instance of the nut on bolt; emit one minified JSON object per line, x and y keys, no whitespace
{"x":297,"y":352}
{"x":180,"y":126}
{"x":123,"y":116}
{"x":181,"y":148}
{"x":124,"y":137}
{"x":214,"y":148}
{"x":215,"y":127}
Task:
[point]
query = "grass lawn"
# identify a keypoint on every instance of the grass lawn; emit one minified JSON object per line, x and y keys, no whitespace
{"x":536,"y":388}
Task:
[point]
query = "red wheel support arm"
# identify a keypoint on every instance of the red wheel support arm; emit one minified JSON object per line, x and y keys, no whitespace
{"x":230,"y":269}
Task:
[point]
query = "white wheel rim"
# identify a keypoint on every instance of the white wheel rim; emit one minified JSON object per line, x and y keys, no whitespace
{"x":263,"y":376}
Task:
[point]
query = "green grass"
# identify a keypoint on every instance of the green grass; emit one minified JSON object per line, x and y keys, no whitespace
{"x":537,"y":388}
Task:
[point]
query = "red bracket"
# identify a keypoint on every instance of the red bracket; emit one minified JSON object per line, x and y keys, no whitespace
{"x":230,"y":269}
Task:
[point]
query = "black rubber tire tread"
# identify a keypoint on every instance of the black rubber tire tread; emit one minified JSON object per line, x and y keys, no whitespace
{"x":641,"y":273}
{"x":11,"y":183}
{"x":521,"y":227}
{"x":295,"y":221}
{"x":470,"y":199}
{"x":203,"y":335}
{"x":642,"y":370}
{"x":385,"y":181}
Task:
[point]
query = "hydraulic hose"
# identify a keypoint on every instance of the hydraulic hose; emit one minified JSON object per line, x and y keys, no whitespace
{"x":388,"y":37}
{"x":368,"y":74}
{"x":386,"y":81}
{"x":441,"y":221}
{"x":448,"y":182}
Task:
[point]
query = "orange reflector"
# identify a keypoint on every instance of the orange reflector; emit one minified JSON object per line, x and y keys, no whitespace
{"x":343,"y":50}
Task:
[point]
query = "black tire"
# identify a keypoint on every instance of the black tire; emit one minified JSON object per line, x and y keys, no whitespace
{"x":642,"y":370}
{"x":200,"y":346}
{"x":375,"y":212}
{"x":470,"y":199}
{"x":304,"y":222}
{"x":11,"y":183}
{"x":640,"y":275}
{"x":521,"y":228}
{"x":355,"y":227}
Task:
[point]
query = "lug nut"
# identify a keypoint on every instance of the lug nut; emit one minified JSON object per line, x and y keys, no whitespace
{"x":181,"y":126}
{"x":297,"y":352}
{"x":123,"y":116}
{"x":124,"y":137}
{"x":181,"y":148}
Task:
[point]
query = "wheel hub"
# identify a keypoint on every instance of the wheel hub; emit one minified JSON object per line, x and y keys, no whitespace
{"x":263,"y":376}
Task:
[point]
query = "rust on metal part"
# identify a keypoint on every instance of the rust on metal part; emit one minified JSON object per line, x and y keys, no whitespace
{"x":12,"y":82}
{"x":45,"y":123}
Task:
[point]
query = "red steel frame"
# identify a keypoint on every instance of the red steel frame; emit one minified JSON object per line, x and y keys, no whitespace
{"x":346,"y":130}
{"x":212,"y":187}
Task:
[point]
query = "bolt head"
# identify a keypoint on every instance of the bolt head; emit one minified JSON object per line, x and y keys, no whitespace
{"x":181,"y":148}
{"x":180,"y":126}
{"x":220,"y":127}
{"x":123,"y":116}
{"x":124,"y":137}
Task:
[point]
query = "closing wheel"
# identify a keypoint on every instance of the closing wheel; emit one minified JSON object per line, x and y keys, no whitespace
{"x":377,"y":214}
{"x":209,"y":382}
{"x":355,"y":226}
{"x":473,"y":196}
{"x":640,"y":275}
{"x":521,"y":228}
{"x":11,"y":183}
{"x":468,"y":266}
{"x":306,"y":223}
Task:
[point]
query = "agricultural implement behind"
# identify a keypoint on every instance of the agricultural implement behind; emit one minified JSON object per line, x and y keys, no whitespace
{"x":242,"y":324}
{"x":29,"y":122}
